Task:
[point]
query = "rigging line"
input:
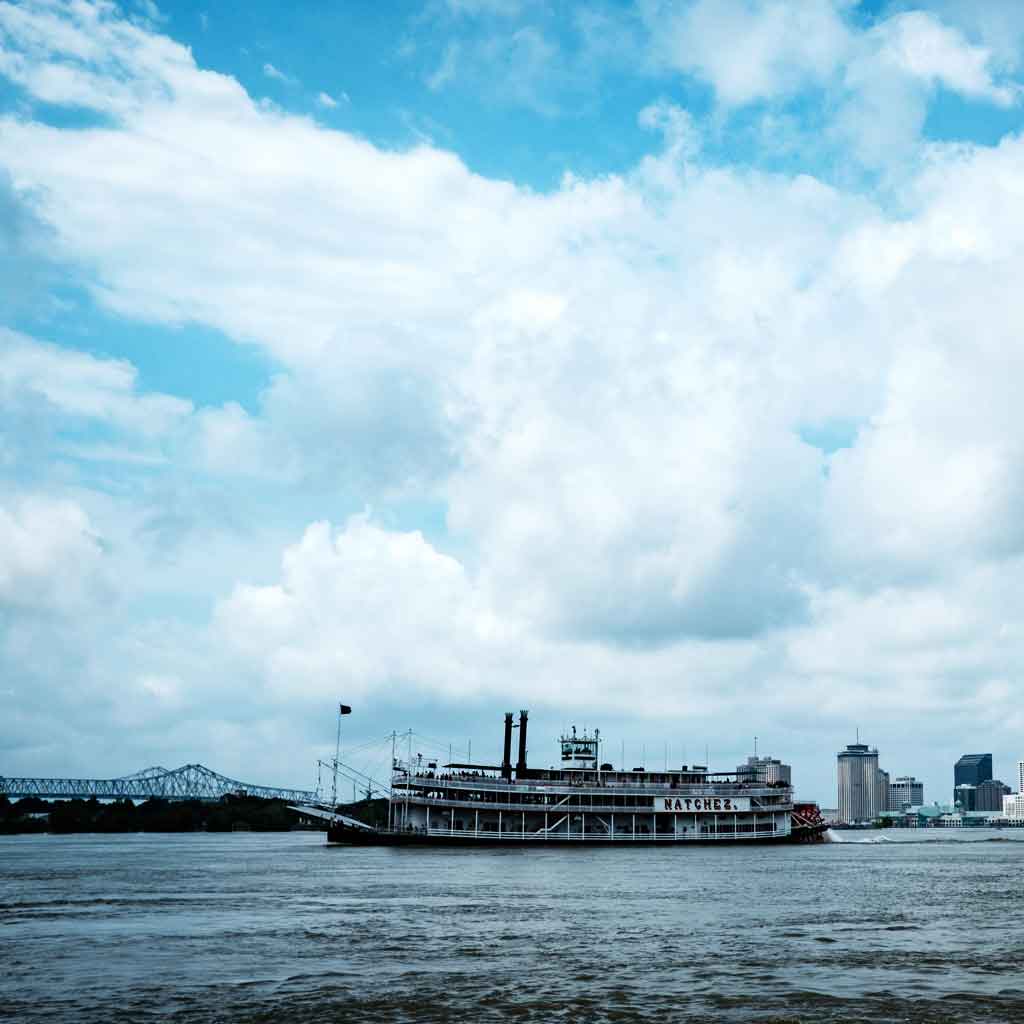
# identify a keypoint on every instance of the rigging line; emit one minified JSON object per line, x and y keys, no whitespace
{"x":343,"y":767}
{"x":442,"y":744}
{"x":429,"y":744}
{"x":376,"y":742}
{"x":434,"y":754}
{"x":360,"y":780}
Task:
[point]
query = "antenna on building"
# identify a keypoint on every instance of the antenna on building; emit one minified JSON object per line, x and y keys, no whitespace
{"x":755,"y":746}
{"x":858,"y":734}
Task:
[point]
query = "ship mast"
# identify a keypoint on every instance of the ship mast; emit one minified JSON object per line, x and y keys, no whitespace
{"x":391,"y":778}
{"x":343,"y":709}
{"x":337,"y":758}
{"x":408,"y":780}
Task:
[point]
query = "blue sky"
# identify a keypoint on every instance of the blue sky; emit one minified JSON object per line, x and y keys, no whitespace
{"x":650,"y":364}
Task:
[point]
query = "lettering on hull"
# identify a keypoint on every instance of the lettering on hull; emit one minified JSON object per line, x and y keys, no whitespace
{"x":677,"y":804}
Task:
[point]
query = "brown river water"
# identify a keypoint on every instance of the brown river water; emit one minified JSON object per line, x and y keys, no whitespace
{"x":896,"y":926}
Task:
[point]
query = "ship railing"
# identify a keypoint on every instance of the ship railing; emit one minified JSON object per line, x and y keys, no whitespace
{"x":446,"y":801}
{"x":619,"y":837}
{"x":609,"y":788}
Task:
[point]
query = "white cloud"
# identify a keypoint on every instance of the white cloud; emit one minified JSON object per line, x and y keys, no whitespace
{"x":869,"y":86}
{"x":603,"y":385}
{"x":752,"y":49}
{"x":998,"y":25}
{"x":270,"y":71}
{"x":326,"y":101}
{"x":106,"y":63}
{"x":446,"y":71}
{"x":682,"y":136}
{"x":384,"y":615}
{"x":50,"y":557}
{"x":79,"y":385}
{"x":367,"y":606}
{"x":922,"y":47}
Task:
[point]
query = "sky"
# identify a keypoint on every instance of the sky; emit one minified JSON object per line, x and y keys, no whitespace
{"x":653,"y":366}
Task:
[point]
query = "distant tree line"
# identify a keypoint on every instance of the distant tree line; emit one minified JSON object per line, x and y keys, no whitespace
{"x":371,"y":812}
{"x":231,"y":813}
{"x":65,"y":816}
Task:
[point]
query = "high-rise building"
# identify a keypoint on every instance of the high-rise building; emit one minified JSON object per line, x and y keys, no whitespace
{"x":1020,"y":777}
{"x":971,"y":770}
{"x":988,"y":795}
{"x":906,"y":790}
{"x":883,"y":790}
{"x":858,"y":783}
{"x":765,"y":770}
{"x":1013,"y":807}
{"x":965,"y":797}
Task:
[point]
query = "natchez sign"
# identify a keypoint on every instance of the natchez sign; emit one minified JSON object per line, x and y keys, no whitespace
{"x":702,"y":803}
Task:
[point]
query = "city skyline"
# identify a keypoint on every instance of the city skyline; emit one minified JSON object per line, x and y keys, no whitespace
{"x":865,"y":790}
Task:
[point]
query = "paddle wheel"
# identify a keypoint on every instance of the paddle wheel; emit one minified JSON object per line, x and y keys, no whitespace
{"x":808,"y":826}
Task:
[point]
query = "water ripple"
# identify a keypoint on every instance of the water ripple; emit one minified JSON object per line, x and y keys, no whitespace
{"x":257,"y":928}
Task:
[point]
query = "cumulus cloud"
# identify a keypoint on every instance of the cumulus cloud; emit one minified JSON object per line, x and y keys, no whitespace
{"x":752,"y":49}
{"x":385,"y":615}
{"x":926,"y":49}
{"x":366,"y":606}
{"x":605,"y":386}
{"x":869,"y":84}
{"x":997,"y":25}
{"x":80,"y":385}
{"x":50,"y":557}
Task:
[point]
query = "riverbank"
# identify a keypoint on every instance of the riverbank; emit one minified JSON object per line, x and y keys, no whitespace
{"x":231,"y":814}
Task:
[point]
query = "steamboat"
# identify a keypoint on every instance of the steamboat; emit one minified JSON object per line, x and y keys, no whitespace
{"x":582,"y":800}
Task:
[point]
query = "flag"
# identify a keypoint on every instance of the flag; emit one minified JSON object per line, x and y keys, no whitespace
{"x":344,"y":709}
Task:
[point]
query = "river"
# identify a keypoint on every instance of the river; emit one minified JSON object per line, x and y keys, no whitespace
{"x":893,"y":926}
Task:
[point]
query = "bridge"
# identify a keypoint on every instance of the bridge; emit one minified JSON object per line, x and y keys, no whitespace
{"x":190,"y":782}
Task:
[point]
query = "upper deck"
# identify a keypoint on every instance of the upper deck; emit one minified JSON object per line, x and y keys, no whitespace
{"x":585,"y":783}
{"x":580,"y":779}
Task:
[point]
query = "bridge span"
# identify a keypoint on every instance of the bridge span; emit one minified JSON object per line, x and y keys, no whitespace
{"x":190,"y":782}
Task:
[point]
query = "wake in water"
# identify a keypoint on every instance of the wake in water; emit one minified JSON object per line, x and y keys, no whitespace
{"x":943,"y":836}
{"x":834,"y":837}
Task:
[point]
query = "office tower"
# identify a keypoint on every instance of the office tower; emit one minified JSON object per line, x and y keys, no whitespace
{"x":971,"y":770}
{"x":1013,"y":807}
{"x":989,"y":795}
{"x":1020,"y":776}
{"x":965,"y":797}
{"x":883,"y":790}
{"x":906,"y":790}
{"x":765,"y":770}
{"x":858,"y":783}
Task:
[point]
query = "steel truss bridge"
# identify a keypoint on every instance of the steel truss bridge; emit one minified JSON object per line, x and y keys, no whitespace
{"x":190,"y":782}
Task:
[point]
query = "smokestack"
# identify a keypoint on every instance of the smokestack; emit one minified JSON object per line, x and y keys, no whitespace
{"x":506,"y":761}
{"x":521,"y":764}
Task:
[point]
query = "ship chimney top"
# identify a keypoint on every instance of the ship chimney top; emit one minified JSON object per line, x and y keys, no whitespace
{"x":506,"y":759}
{"x":521,"y":763}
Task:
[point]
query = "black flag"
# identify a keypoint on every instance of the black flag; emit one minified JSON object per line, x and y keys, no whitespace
{"x":345,"y":709}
